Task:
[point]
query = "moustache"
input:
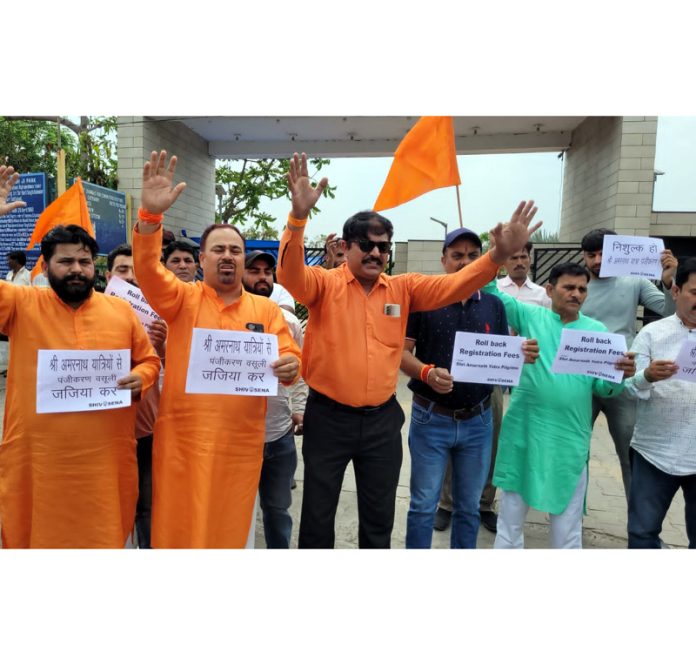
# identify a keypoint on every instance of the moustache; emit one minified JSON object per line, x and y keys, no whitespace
{"x":372,"y":260}
{"x":574,"y":301}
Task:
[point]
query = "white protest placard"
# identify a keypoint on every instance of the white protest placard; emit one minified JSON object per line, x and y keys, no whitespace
{"x":75,"y":380}
{"x":134,"y":297}
{"x":232,"y":362}
{"x":686,"y":360}
{"x":490,"y":359}
{"x":589,"y":352}
{"x":632,"y":256}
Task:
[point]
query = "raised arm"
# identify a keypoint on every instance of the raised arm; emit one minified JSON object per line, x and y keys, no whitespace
{"x":158,"y":191}
{"x":8,"y":178}
{"x":304,"y":283}
{"x":161,"y":288}
{"x":429,"y":292}
{"x":514,"y":309}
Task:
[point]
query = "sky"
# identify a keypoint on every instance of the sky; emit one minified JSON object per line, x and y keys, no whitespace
{"x":492,"y":186}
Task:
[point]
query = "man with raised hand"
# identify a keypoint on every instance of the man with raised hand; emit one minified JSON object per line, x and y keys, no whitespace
{"x":352,"y":413}
{"x":614,"y":301}
{"x":67,"y":479}
{"x":208,"y":449}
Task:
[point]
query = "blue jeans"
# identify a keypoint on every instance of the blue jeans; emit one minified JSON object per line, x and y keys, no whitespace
{"x":432,"y":440}
{"x":651,"y":495}
{"x":279,"y":464}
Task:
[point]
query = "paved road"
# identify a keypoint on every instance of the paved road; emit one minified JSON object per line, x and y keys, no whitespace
{"x":604,"y":524}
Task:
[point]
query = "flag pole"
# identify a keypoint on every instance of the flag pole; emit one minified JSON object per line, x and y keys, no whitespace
{"x":459,"y":208}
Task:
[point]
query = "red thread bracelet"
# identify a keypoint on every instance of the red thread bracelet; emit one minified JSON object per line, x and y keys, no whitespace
{"x":425,"y":370}
{"x":149,"y":217}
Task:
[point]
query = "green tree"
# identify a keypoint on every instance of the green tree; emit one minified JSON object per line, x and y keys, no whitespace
{"x":31,"y":144}
{"x":542,"y":236}
{"x":243,"y":183}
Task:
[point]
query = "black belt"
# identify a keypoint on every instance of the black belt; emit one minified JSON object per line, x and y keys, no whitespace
{"x":320,"y":397}
{"x":455,"y":414}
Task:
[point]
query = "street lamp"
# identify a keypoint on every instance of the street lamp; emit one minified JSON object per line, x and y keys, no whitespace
{"x":220,"y":193}
{"x":443,"y":224}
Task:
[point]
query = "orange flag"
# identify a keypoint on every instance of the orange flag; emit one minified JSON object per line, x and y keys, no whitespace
{"x":68,"y":208}
{"x":426,"y":159}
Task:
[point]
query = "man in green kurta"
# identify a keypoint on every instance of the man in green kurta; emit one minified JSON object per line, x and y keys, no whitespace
{"x":544,"y":442}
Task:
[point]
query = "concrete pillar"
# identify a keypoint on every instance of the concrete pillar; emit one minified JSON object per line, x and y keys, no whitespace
{"x":137,"y":137}
{"x":609,"y":177}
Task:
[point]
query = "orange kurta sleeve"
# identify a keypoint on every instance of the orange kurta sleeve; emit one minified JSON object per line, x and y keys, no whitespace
{"x":304,"y":283}
{"x":164,"y":292}
{"x":430,"y":292}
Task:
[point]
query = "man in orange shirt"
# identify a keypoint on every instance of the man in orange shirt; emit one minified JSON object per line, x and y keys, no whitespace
{"x":208,"y":449}
{"x":352,"y":413}
{"x":67,"y":479}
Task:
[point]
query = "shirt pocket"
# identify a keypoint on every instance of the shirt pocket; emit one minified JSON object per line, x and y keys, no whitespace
{"x":389,"y":331}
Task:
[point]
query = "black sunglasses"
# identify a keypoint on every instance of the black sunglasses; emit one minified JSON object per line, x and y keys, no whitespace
{"x":384,"y":246}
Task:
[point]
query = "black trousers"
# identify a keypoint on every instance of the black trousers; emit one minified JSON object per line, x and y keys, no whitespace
{"x":143,"y":509}
{"x":333,"y":436}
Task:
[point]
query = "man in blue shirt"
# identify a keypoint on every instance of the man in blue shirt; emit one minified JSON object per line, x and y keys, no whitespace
{"x":449,"y":420}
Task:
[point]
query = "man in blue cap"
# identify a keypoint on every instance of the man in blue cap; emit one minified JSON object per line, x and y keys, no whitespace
{"x":450,"y":422}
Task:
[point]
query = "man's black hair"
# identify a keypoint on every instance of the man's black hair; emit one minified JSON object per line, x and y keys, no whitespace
{"x":593,"y":241}
{"x":67,"y":235}
{"x":368,"y":221}
{"x":179,"y":246}
{"x":122,"y":250}
{"x":19,"y":256}
{"x":684,"y":269}
{"x":570,"y":268}
{"x":213,"y":227}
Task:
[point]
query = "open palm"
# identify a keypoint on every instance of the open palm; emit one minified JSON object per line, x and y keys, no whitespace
{"x":304,"y":196}
{"x":8,"y":178}
{"x":158,"y":195}
{"x":507,"y":239}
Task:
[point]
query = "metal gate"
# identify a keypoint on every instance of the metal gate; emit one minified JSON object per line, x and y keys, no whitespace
{"x":545,"y":258}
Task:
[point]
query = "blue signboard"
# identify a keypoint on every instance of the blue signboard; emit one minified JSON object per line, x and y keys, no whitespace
{"x":16,"y":228}
{"x":107,"y":210}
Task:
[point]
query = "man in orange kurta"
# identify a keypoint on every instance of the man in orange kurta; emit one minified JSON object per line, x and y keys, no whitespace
{"x":208,"y":449}
{"x":68,"y":479}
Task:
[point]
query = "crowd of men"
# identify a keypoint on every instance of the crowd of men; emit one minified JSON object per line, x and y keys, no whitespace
{"x":184,"y":468}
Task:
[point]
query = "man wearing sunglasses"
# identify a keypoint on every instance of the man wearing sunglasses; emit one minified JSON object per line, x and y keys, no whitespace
{"x":352,"y":413}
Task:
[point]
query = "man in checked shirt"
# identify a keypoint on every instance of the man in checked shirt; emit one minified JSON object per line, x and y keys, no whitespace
{"x":663,"y":447}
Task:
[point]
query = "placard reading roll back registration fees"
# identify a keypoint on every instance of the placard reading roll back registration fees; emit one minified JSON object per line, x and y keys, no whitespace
{"x":490,"y":359}
{"x":590,"y":352}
